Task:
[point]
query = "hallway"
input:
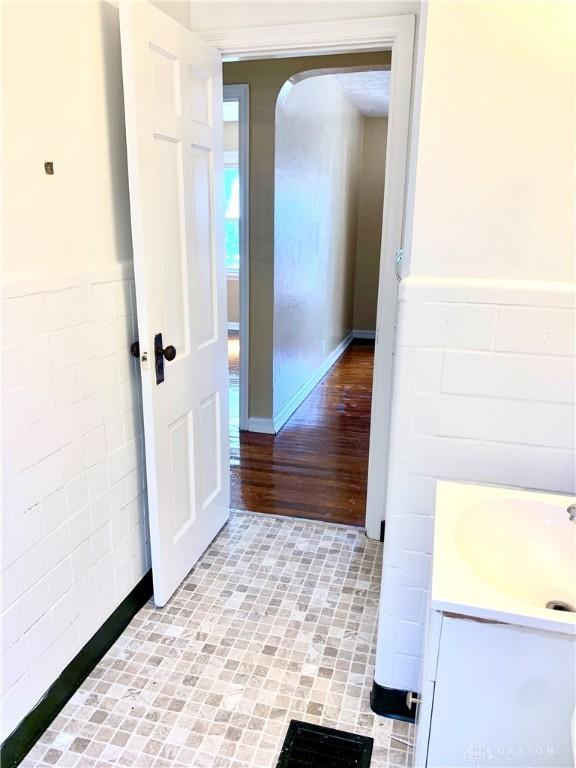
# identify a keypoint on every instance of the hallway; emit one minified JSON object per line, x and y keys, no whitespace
{"x":316,"y":466}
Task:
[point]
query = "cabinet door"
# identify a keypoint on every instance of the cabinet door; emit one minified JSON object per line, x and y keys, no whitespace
{"x":504,"y":696}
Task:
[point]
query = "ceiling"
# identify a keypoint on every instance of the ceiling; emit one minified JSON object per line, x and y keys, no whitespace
{"x":368,"y":91}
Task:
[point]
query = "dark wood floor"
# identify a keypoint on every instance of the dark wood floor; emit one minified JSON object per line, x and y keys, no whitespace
{"x":317,"y":465}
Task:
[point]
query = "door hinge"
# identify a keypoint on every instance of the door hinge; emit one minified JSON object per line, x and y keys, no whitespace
{"x":397,"y":259}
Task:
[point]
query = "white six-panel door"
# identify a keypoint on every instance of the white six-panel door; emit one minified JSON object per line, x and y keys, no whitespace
{"x":173,"y":103}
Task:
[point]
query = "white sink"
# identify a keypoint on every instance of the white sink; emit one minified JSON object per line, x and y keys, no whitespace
{"x":502,"y":554}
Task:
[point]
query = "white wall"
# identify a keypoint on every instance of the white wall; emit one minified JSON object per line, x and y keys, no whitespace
{"x":74,"y":530}
{"x":73,"y":524}
{"x":484,"y":382}
{"x":179,"y":10}
{"x":62,"y":102}
{"x":208,"y":15}
{"x":318,"y":151}
{"x":497,"y":130}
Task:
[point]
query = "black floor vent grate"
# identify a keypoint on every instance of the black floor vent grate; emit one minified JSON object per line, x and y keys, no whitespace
{"x":312,"y":746}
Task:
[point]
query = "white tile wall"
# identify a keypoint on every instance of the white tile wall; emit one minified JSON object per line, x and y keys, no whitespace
{"x":484,"y":391}
{"x":73,"y":527}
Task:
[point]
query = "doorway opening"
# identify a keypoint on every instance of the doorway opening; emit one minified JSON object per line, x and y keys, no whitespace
{"x":174,"y":142}
{"x":236,"y":244}
{"x":327,"y":127}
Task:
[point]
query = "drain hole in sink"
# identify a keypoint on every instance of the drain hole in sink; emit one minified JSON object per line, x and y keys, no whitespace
{"x":560,"y":605}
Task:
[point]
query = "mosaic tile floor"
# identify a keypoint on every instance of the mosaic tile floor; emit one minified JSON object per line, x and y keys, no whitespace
{"x":277,"y":621}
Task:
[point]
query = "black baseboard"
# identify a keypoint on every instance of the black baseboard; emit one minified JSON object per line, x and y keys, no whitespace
{"x":26,"y":734}
{"x":391,"y":702}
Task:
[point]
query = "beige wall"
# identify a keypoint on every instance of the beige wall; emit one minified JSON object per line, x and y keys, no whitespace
{"x":266,"y":78}
{"x":370,"y":202}
{"x":233,"y":299}
{"x":318,"y":151}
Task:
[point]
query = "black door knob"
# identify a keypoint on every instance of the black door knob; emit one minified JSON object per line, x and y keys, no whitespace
{"x":169,"y":352}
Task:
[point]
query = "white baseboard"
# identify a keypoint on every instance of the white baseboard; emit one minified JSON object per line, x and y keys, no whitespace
{"x":364,"y":334}
{"x":256,"y":424}
{"x":298,"y":397}
{"x":233,"y":326}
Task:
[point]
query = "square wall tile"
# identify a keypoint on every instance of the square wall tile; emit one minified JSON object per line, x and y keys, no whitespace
{"x":59,"y":310}
{"x":33,"y":319}
{"x":521,"y":329}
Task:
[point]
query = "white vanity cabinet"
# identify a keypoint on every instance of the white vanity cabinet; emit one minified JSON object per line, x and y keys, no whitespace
{"x":495,"y":694}
{"x":498,"y":686}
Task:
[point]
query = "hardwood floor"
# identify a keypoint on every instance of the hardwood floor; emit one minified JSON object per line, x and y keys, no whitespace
{"x":317,"y":465}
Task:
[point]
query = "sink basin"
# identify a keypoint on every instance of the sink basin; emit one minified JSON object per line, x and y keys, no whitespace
{"x":503,"y":554}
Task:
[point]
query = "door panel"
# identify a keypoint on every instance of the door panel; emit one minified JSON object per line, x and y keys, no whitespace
{"x":181,"y":452}
{"x":211,"y":466}
{"x":200,"y":86}
{"x":206,"y":304}
{"x":172,"y":254}
{"x":173,"y":102}
{"x":166,"y":78}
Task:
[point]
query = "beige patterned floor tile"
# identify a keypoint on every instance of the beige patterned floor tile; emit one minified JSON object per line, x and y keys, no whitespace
{"x":276,"y":622}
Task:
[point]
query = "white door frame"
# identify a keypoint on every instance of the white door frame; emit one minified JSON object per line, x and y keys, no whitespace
{"x":396,"y":34}
{"x":240,"y":93}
